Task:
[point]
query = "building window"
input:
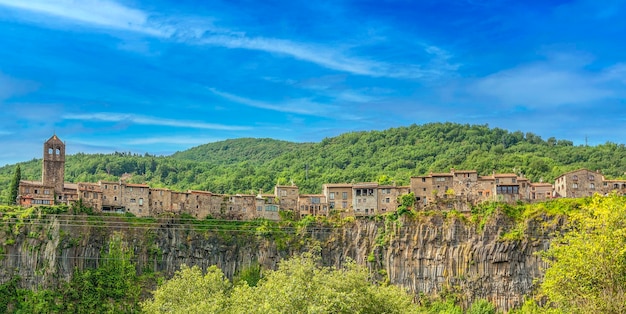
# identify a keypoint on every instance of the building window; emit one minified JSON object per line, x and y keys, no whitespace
{"x":592,"y":186}
{"x":575,"y":185}
{"x":497,"y":181}
{"x":440,"y":179}
{"x":115,"y":187}
{"x":283,"y":193}
{"x":141,"y":202}
{"x":423,"y":179}
{"x":332,"y":205}
{"x":47,"y":192}
{"x":344,"y":204}
{"x":259,"y":208}
{"x":480,"y":193}
{"x":575,"y":177}
{"x":331,"y":195}
{"x":115,"y":198}
{"x":387,"y":200}
{"x":130,"y":188}
{"x":106,"y":187}
{"x":315,"y":200}
{"x":592,"y":177}
{"x":344,"y":195}
{"x":132,"y":200}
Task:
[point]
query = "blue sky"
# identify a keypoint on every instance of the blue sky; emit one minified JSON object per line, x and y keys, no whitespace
{"x":161,"y":76}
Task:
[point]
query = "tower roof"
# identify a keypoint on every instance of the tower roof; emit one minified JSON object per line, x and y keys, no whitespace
{"x":54,"y":140}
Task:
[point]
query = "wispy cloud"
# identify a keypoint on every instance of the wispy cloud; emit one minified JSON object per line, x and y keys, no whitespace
{"x":145,"y":120}
{"x":548,"y":84}
{"x":112,"y":15}
{"x":294,"y":106}
{"x":326,"y":57}
{"x":298,"y":106}
{"x":99,"y":13}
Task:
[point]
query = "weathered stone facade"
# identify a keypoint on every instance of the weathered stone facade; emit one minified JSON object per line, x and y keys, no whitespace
{"x":53,"y":170}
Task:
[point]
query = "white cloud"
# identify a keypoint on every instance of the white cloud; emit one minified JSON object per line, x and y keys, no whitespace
{"x":298,"y":106}
{"x":145,"y":120}
{"x":100,"y":13}
{"x":546,"y":84}
{"x":112,"y":15}
{"x":295,"y":106}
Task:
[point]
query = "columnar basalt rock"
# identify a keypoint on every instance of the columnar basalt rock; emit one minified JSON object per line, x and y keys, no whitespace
{"x":432,"y":255}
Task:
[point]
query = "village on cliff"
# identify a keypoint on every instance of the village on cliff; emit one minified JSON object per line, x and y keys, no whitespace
{"x":457,"y":189}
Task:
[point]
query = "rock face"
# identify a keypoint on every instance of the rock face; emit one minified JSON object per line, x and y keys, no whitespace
{"x":428,"y":255}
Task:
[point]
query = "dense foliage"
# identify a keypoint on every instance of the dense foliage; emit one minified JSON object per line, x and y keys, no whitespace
{"x":299,"y":285}
{"x":112,"y":287}
{"x":587,"y":272}
{"x":393,"y":155}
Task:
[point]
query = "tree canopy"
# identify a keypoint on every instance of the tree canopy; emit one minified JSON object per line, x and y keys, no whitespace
{"x":587,"y":272}
{"x":299,"y":285}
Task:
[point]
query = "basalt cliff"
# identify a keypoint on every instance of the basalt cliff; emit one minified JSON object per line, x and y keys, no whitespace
{"x":428,"y":255}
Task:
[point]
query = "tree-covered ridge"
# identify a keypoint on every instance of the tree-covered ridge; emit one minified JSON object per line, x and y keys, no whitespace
{"x":393,"y":155}
{"x":254,"y":150}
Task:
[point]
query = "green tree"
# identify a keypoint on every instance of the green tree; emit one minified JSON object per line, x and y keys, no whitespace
{"x":299,"y":285}
{"x":190,"y":291}
{"x":587,"y":272}
{"x":111,"y":288}
{"x":15,"y":185}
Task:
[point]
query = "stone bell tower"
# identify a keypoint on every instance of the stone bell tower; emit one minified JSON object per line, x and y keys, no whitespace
{"x":53,"y":172}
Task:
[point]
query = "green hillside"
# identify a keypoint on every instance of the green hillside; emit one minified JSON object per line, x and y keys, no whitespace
{"x":393,"y":155}
{"x":256,"y":151}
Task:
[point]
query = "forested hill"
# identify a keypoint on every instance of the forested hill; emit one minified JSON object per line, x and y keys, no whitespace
{"x":393,"y":155}
{"x":256,"y":151}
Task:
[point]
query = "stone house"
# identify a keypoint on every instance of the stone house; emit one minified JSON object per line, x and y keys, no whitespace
{"x":339,"y":196}
{"x":313,"y":204}
{"x":160,"y":201}
{"x":389,"y":197}
{"x":288,"y":196}
{"x":578,"y":183}
{"x":241,"y":206}
{"x":267,"y":206}
{"x":430,"y":188}
{"x":90,"y":194}
{"x":540,"y":191}
{"x":618,"y":186}
{"x":136,"y":199}
{"x":32,"y":193}
{"x":365,"y":199}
